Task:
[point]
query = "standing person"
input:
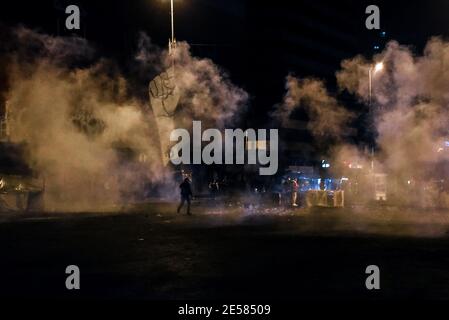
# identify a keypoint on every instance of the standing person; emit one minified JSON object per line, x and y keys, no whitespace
{"x":322,"y":184}
{"x":295,"y":187}
{"x":214,"y":188}
{"x":186,"y":195}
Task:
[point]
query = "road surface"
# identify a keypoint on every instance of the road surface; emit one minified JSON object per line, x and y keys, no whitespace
{"x":150,"y":252}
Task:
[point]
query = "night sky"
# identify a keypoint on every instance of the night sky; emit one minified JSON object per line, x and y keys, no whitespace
{"x":257,"y":42}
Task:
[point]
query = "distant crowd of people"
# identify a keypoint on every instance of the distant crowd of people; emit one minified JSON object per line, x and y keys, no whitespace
{"x":286,"y":194}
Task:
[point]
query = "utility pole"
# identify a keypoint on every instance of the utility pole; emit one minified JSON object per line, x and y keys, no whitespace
{"x":373,"y":69}
{"x":172,"y":41}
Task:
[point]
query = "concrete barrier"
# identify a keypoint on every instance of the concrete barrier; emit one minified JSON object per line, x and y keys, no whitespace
{"x":323,"y":198}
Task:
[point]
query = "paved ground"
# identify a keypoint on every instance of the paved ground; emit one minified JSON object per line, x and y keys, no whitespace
{"x":150,"y":252}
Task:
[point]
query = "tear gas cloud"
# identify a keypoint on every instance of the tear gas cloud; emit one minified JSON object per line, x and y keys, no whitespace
{"x":74,"y":118}
{"x":78,"y":122}
{"x":204,"y":89}
{"x":410,"y":104}
{"x":327,"y":118}
{"x":409,"y":109}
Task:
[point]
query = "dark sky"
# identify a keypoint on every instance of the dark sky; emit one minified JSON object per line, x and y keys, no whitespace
{"x":257,"y":42}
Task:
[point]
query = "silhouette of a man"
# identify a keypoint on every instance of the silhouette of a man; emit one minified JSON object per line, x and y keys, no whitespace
{"x":186,"y":195}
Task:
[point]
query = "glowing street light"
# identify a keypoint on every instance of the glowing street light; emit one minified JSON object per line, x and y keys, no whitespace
{"x":373,"y":70}
{"x":378,"y":67}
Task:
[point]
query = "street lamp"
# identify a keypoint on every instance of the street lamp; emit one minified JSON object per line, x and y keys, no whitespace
{"x":172,"y":41}
{"x":373,"y":70}
{"x":172,"y":21}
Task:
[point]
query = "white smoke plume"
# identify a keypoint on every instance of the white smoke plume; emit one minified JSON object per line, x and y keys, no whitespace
{"x":205,"y":90}
{"x":32,"y":44}
{"x":410,"y":103}
{"x":74,"y":121}
{"x":80,"y":120}
{"x":327,"y":118}
{"x":409,"y":108}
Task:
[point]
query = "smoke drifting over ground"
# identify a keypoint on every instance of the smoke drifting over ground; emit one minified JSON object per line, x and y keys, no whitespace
{"x":410,"y":104}
{"x":74,"y":120}
{"x":409,"y":108}
{"x":82,"y":123}
{"x":79,"y":116}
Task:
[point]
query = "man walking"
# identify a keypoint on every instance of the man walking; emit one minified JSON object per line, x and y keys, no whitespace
{"x":186,"y":195}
